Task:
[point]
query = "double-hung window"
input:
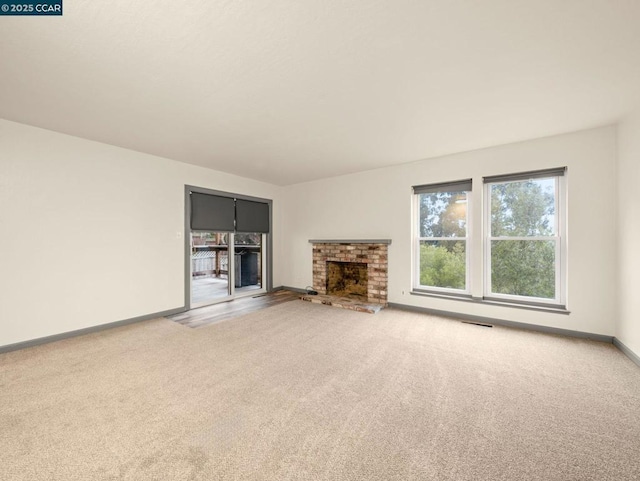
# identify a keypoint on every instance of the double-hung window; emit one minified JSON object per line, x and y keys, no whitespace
{"x":525,"y":243}
{"x":523,"y":254}
{"x":441,"y":256}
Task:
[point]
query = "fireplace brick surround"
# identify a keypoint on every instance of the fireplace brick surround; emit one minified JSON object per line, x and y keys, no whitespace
{"x":374,"y":253}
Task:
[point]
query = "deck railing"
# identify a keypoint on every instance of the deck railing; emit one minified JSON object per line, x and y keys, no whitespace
{"x":210,"y":263}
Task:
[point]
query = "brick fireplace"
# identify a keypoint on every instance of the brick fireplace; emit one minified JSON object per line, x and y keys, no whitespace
{"x":370,"y":255}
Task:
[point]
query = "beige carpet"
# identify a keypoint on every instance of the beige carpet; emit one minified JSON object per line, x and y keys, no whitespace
{"x":309,"y":392}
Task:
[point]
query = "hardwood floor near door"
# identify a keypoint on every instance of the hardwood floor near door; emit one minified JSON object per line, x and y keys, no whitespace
{"x":204,"y":316}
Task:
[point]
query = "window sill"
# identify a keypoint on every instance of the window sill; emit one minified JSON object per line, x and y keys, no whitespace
{"x":492,"y":302}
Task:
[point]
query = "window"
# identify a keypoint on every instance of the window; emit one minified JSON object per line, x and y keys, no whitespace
{"x":522,"y":257}
{"x":441,"y":244}
{"x":525,"y":237}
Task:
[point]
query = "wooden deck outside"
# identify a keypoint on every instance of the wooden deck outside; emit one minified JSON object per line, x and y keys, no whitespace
{"x":212,"y":288}
{"x":208,"y":288}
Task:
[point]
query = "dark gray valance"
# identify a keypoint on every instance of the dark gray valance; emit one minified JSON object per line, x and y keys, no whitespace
{"x":220,"y":213}
{"x":252,"y":216}
{"x":212,"y":213}
{"x":455,"y":186}
{"x":534,"y":174}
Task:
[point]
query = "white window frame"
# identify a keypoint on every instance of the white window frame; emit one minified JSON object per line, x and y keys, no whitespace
{"x":417,"y":287}
{"x":560,"y":238}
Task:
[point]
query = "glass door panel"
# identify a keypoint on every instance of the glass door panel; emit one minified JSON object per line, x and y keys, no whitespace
{"x":249,"y":262}
{"x":209,"y":267}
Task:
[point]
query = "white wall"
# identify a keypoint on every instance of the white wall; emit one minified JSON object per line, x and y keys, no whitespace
{"x":628,"y":328}
{"x":377,"y":204}
{"x":89,"y":231}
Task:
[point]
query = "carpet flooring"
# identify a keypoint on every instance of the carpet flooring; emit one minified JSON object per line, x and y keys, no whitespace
{"x":301,"y":391}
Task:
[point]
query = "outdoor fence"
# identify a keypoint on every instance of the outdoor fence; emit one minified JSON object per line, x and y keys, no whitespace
{"x":209,"y":263}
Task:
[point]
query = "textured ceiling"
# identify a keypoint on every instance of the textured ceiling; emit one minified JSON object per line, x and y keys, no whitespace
{"x":287,"y":91}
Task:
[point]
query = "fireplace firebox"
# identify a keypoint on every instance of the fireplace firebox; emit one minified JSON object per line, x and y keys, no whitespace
{"x":347,"y":279}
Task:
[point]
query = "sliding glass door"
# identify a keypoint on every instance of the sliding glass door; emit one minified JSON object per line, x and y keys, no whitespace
{"x":228,"y":246}
{"x":209,"y":267}
{"x":225,"y":265}
{"x":248,"y":262}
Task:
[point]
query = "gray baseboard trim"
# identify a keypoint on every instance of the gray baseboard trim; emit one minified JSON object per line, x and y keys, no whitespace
{"x":87,"y":330}
{"x":293,"y":289}
{"x":501,"y":322}
{"x":626,"y":351}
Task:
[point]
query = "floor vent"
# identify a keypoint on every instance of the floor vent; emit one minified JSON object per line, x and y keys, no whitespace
{"x":481,"y":324}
